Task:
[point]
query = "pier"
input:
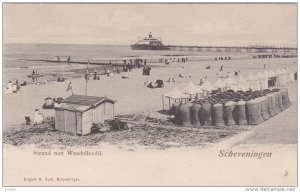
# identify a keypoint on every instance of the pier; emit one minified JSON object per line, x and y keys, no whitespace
{"x":233,"y":49}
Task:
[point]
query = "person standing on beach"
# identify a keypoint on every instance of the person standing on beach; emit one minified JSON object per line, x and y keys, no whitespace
{"x":95,"y":75}
{"x":33,"y":75}
{"x":201,"y":82}
{"x":70,"y":88}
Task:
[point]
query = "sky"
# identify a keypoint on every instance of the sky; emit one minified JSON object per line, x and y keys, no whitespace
{"x":175,"y":24}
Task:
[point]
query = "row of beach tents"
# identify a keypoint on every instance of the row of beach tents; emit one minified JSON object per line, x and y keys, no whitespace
{"x":259,"y":81}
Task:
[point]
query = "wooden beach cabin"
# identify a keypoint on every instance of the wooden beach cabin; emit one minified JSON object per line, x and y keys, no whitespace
{"x":77,"y":113}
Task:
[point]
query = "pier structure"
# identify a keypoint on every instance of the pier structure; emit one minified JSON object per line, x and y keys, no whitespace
{"x":290,"y":50}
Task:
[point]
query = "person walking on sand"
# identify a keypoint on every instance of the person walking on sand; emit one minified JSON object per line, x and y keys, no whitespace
{"x":70,"y":88}
{"x":221,"y":69}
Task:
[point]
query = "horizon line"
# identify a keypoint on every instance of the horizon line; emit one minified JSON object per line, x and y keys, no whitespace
{"x":253,"y":46}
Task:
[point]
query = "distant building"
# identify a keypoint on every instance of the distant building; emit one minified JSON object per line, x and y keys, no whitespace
{"x":77,"y":113}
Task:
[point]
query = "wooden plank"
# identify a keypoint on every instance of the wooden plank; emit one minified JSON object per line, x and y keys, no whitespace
{"x":99,"y":116}
{"x":59,"y":120}
{"x":56,"y":120}
{"x":88,"y":112}
{"x":86,"y":119}
{"x":86,"y":124}
{"x":109,"y":111}
{"x":66,"y":121}
{"x":70,"y":122}
{"x":79,"y":123}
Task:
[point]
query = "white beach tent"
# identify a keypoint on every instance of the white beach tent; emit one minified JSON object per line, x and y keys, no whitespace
{"x":231,"y":83}
{"x":291,"y":75}
{"x":267,"y":76}
{"x":243,"y":85}
{"x":263,"y":81}
{"x":286,"y":74}
{"x":253,"y":82}
{"x":272,"y":73}
{"x":220,"y":84}
{"x":281,"y":77}
{"x":206,"y":87}
{"x":191,"y":89}
{"x":175,"y":94}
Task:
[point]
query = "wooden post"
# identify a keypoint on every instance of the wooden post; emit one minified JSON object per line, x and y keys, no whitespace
{"x":113,"y":111}
{"x":86,"y":84}
{"x":169,"y":103}
{"x":86,"y":81}
{"x":163,"y":102}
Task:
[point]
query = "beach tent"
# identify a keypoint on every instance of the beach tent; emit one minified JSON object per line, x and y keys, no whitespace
{"x":191,"y":89}
{"x":286,"y":74}
{"x":272,"y":73}
{"x":207,"y":87}
{"x":266,"y":74}
{"x":231,"y":83}
{"x":263,"y":81}
{"x":272,"y":78}
{"x":281,"y":77}
{"x":243,"y":85}
{"x":291,"y":75}
{"x":220,"y":84}
{"x":174,"y":94}
{"x":253,"y":82}
{"x":267,"y":78}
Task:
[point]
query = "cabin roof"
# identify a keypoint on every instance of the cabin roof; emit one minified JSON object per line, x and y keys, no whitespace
{"x":86,"y":100}
{"x":72,"y":107}
{"x":82,"y":103}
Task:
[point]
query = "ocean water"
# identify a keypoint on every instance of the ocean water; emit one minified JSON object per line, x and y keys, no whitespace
{"x":16,"y":55}
{"x":17,"y":64}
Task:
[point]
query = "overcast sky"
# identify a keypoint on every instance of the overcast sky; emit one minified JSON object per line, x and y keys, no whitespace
{"x":185,"y":24}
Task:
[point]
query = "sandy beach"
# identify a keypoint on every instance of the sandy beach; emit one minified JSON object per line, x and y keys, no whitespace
{"x":142,"y":156}
{"x":166,"y":94}
{"x":131,"y":94}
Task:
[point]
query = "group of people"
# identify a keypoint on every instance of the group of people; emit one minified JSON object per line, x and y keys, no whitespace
{"x":133,"y":63}
{"x":182,"y":60}
{"x":34,"y":76}
{"x":38,"y":118}
{"x":13,"y":87}
{"x":146,"y":70}
{"x":221,"y":58}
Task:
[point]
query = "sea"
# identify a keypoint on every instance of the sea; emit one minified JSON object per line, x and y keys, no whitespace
{"x":19,"y":60}
{"x":18,"y":55}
